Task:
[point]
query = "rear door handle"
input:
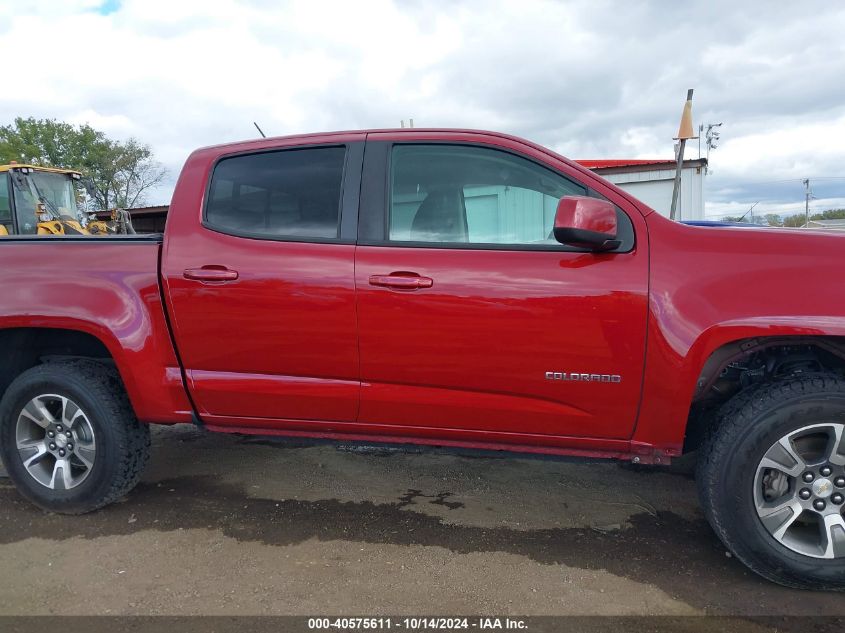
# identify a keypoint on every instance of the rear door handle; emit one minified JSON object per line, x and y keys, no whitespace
{"x":402,"y":281}
{"x":210,"y":273}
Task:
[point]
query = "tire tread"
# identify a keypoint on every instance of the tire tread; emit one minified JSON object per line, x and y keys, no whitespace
{"x":132,"y":446}
{"x":731,"y":421}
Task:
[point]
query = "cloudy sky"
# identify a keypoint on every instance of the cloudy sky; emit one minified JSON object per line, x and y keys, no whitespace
{"x":589,"y":79}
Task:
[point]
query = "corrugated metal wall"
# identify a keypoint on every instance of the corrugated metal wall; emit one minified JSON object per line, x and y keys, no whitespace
{"x":655,"y":189}
{"x":495,"y":214}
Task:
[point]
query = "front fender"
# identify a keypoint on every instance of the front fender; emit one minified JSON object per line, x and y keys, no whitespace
{"x":672,"y":376}
{"x":713,"y":286}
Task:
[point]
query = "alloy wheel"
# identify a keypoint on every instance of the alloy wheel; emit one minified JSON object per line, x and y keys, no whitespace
{"x":799,"y":491}
{"x":55,"y":441}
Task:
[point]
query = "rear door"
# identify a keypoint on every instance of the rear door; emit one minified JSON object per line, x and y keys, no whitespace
{"x":259,"y":281}
{"x":474,"y":322}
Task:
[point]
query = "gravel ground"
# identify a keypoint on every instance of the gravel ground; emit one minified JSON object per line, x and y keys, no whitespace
{"x":231,"y":525}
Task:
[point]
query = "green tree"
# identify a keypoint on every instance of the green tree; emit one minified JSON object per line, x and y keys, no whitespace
{"x":830,"y":214}
{"x":121,"y":172}
{"x":800,"y":219}
{"x":773,"y":219}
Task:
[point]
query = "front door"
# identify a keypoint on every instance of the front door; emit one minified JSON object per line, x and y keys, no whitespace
{"x":472,"y":318}
{"x":262,"y":296}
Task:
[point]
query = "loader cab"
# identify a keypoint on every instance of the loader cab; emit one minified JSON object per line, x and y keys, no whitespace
{"x":34,"y":196}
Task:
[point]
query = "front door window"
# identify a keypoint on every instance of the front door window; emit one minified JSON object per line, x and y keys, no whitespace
{"x":461,"y":194}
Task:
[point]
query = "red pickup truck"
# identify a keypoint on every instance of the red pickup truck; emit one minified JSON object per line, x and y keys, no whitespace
{"x":441,"y":287}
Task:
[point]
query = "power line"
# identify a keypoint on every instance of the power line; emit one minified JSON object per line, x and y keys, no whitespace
{"x":801,"y":180}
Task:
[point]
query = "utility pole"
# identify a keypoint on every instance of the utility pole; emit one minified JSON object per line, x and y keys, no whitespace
{"x":685,"y":132}
{"x":807,"y":195}
{"x":700,"y":130}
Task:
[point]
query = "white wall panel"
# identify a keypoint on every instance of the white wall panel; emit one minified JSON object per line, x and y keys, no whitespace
{"x":654,"y":188}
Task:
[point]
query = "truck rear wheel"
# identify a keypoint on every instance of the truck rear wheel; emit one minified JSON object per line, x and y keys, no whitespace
{"x":772,"y":480}
{"x":69,"y":438}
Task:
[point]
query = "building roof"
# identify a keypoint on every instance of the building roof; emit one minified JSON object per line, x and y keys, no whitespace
{"x":615,"y":163}
{"x":137,"y":212}
{"x":603,"y":163}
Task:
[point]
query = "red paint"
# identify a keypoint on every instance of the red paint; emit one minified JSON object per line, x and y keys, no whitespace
{"x":472,"y":351}
{"x":108,"y":290}
{"x":583,"y":213}
{"x":427,"y":345}
{"x":278,"y":342}
{"x":711,"y":286}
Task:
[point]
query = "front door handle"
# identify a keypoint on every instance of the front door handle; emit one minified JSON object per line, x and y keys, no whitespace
{"x":402,"y":281}
{"x":211,"y":273}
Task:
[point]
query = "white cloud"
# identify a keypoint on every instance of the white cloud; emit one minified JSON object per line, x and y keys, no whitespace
{"x":785,"y":149}
{"x":589,"y":79}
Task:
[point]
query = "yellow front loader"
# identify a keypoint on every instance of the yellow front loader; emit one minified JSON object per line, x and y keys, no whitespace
{"x":42,"y":201}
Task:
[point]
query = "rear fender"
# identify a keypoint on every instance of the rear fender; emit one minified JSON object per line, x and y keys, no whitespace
{"x":108,"y":288}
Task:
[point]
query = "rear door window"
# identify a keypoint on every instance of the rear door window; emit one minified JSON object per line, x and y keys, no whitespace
{"x":289,"y":194}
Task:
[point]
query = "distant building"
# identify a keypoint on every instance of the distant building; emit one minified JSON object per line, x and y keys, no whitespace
{"x":144,"y":219}
{"x":826,"y":225}
{"x":652,"y":181}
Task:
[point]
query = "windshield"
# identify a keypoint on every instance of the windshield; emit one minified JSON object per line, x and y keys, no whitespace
{"x":59,"y":194}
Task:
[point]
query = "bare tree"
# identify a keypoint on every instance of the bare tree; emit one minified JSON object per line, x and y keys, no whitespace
{"x":127,"y":172}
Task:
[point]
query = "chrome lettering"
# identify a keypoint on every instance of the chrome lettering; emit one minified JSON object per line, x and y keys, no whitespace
{"x":573,"y":376}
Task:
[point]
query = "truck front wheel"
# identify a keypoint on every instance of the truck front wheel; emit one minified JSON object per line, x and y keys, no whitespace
{"x":772,"y":480}
{"x":69,"y":438}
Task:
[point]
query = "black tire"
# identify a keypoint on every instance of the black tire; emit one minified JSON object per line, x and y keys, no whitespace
{"x":744,"y":429}
{"x":122,"y":443}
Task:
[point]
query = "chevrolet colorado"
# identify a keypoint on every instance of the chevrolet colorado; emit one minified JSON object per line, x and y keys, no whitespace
{"x":442,"y":287}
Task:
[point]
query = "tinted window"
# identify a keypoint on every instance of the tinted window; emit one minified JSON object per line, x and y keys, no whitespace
{"x":451,"y":193}
{"x":290,"y":193}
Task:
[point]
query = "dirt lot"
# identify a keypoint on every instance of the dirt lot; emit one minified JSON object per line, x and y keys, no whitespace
{"x":232,"y":525}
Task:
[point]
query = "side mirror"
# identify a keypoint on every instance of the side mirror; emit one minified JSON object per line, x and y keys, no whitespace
{"x":586,"y":222}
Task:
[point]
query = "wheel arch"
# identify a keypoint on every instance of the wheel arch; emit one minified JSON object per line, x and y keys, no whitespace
{"x":155,"y":388}
{"x":776,"y":357}
{"x":25,"y":347}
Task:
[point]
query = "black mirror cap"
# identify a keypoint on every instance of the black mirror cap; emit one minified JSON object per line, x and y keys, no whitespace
{"x":586,"y":222}
{"x":583,"y":238}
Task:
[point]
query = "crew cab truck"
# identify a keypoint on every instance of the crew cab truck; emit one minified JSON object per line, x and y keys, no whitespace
{"x":439,"y":287}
